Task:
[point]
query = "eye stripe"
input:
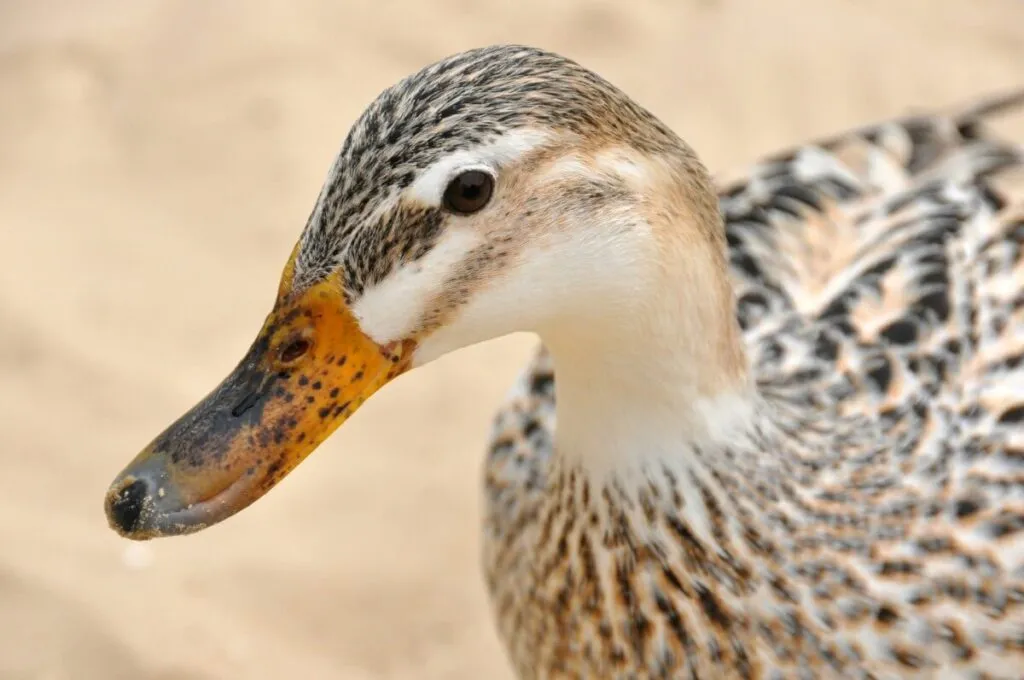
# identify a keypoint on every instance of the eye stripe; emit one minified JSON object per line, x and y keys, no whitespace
{"x":404,"y":235}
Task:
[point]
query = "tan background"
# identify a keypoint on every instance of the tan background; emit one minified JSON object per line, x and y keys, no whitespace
{"x":157,"y":161}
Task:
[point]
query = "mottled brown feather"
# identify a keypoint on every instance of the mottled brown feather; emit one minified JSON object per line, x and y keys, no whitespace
{"x":880,"y":283}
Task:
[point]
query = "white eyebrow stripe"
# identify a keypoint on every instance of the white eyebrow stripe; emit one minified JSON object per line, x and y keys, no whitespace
{"x":429,"y":186}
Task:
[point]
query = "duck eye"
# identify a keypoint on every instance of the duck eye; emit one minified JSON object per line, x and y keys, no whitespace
{"x":469,"y":192}
{"x":293,"y":350}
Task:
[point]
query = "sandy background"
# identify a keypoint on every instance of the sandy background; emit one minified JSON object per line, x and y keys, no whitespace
{"x":157,"y":161}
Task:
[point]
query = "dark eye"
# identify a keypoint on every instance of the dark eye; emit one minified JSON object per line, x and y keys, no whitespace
{"x":294,"y":349}
{"x":469,"y":192}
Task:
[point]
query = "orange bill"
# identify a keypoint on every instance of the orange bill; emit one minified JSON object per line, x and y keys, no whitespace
{"x":309,"y":369}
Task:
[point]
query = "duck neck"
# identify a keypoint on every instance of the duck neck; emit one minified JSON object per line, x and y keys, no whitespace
{"x":658,"y":367}
{"x":631,"y":398}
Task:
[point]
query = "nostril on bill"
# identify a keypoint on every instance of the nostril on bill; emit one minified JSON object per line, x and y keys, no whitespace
{"x":125,"y":508}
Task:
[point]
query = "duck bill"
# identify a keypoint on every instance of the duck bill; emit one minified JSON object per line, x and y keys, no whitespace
{"x":307,"y":372}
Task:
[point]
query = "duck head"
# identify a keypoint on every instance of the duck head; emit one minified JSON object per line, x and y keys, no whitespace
{"x":503,"y":189}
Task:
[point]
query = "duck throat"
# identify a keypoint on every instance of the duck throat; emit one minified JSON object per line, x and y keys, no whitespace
{"x":613,"y":412}
{"x":660,"y":374}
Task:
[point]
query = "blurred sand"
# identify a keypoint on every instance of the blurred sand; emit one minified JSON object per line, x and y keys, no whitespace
{"x":157,"y":161}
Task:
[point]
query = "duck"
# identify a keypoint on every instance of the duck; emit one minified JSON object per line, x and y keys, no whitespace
{"x":775,"y":424}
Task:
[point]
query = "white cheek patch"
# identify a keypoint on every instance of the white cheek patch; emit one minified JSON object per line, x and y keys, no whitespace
{"x":393,"y":308}
{"x":559,"y":272}
{"x":429,"y":185}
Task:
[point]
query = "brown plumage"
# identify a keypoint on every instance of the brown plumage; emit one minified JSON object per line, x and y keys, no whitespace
{"x":880,"y":285}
